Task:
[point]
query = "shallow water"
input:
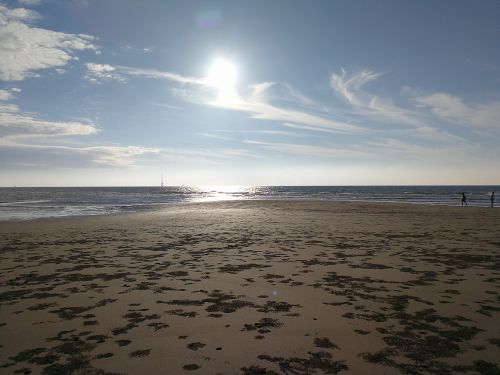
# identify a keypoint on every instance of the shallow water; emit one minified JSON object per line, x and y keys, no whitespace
{"x":31,"y":203}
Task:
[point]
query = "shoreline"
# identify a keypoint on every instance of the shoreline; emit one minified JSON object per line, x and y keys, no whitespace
{"x":254,"y":287}
{"x":165,"y":206}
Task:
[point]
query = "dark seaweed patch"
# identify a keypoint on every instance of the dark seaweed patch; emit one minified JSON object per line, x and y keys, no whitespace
{"x":324,"y":342}
{"x":191,"y":367}
{"x":140,"y":353}
{"x":301,"y":366}
{"x":195,"y":345}
{"x":257,"y":370}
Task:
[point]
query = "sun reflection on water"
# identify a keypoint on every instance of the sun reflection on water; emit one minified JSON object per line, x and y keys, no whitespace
{"x":214,"y":193}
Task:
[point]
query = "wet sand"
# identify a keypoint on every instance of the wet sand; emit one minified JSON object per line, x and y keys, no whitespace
{"x":254,"y":287}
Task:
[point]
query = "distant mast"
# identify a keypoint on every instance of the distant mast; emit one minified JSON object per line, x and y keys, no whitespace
{"x":162,"y":181}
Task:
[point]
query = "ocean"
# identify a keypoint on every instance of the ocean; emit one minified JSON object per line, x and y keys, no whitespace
{"x":32,"y":203}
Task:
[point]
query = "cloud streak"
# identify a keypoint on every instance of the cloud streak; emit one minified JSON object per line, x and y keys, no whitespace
{"x":111,"y":155}
{"x":480,"y":117}
{"x":68,"y":156}
{"x":350,"y":88}
{"x":16,"y":125}
{"x":256,"y":103}
{"x":158,"y":74}
{"x":311,"y":150}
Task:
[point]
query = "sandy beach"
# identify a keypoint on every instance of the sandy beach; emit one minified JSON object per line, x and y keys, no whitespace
{"x":254,"y":287}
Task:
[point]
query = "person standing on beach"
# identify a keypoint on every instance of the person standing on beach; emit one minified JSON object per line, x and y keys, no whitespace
{"x":464,"y":199}
{"x":492,"y":199}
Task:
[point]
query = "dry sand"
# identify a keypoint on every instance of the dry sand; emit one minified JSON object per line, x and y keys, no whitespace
{"x":254,"y":287}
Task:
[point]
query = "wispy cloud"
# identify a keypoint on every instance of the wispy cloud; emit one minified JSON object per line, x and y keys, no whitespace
{"x":261,"y":131}
{"x":256,"y":103}
{"x":385,"y":148}
{"x":311,"y":150}
{"x":421,"y":125}
{"x":275,"y":132}
{"x":118,"y":155}
{"x":28,"y":139}
{"x":393,"y":148}
{"x":168,"y":106}
{"x":158,"y":74}
{"x":266,"y":111}
{"x":350,"y":88}
{"x":207,"y":155}
{"x":479,"y":117}
{"x":63,"y":156}
{"x":259,"y":108}
{"x":16,"y":125}
{"x":215,"y":136}
{"x":309,"y":128}
{"x":25,"y":49}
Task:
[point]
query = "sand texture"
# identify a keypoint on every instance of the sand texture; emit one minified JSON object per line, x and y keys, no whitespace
{"x":254,"y":287}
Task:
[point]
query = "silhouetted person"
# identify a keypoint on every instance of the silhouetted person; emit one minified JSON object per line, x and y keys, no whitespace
{"x":492,"y":198}
{"x":464,"y":199}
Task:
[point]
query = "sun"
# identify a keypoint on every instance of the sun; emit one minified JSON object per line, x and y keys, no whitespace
{"x":222,"y":76}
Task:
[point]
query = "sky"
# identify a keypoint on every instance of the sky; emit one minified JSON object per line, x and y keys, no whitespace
{"x":119,"y":92}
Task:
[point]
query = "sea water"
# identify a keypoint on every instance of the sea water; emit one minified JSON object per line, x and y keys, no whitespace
{"x":32,"y":203}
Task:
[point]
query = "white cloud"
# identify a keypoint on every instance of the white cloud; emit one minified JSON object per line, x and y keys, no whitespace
{"x":350,"y":89}
{"x":117,"y":155}
{"x":8,"y":108}
{"x":452,"y":108}
{"x":16,"y":15}
{"x":424,"y":125}
{"x":98,"y":72}
{"x":5,"y":95}
{"x":25,"y":49}
{"x":444,"y":105}
{"x":15,"y":125}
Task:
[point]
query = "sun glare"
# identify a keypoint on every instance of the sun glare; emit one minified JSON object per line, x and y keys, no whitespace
{"x":222,"y":76}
